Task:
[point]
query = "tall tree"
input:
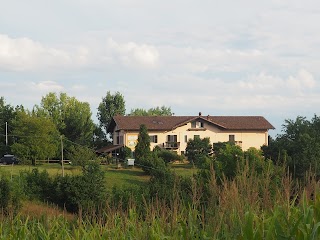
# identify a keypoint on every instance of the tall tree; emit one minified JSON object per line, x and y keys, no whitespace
{"x":111,"y":105}
{"x":198,"y":150}
{"x":142,"y":149}
{"x":157,"y":111}
{"x":298,"y":146}
{"x":71,"y":117}
{"x":36,"y":137}
{"x":7,"y":115}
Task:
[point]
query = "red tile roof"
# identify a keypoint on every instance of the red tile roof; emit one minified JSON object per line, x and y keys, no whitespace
{"x":166,"y":123}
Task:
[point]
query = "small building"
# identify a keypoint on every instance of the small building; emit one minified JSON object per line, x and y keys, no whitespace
{"x":173,"y":132}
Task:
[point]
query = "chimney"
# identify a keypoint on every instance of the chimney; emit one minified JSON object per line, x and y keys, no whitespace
{"x":199,"y":113}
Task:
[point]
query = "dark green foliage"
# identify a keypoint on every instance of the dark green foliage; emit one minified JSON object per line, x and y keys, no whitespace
{"x":86,"y":192}
{"x":80,"y":156}
{"x":10,"y":196}
{"x":163,"y":185}
{"x":255,"y":159}
{"x":198,"y":150}
{"x":298,"y":147}
{"x":37,"y":185}
{"x":228,"y":158}
{"x":142,"y":149}
{"x":125,"y":153}
{"x":7,"y":115}
{"x":110,"y":106}
{"x":166,"y":155}
{"x":123,"y":197}
{"x":152,"y":164}
{"x":4,"y":193}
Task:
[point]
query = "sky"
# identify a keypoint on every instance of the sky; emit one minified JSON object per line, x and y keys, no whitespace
{"x":243,"y":57}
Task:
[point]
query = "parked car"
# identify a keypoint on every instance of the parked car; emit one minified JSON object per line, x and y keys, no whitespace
{"x":9,"y":159}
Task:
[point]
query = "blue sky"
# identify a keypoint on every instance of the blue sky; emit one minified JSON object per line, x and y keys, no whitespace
{"x":240,"y":57}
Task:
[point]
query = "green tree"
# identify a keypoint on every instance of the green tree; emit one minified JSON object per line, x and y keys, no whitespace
{"x":111,"y":105}
{"x":142,"y":149}
{"x":71,"y":117}
{"x":80,"y":156}
{"x":157,"y":111}
{"x":36,"y":137}
{"x":298,"y":146}
{"x":7,"y":115}
{"x":198,"y":150}
{"x":228,"y":158}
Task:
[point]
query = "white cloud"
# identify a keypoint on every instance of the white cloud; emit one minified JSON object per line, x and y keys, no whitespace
{"x":133,"y":54}
{"x":300,"y":84}
{"x":22,"y":54}
{"x":46,"y":86}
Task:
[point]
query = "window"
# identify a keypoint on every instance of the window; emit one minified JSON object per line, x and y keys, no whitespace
{"x":196,"y":136}
{"x":172,"y":138}
{"x":231,"y":138}
{"x":154,"y":138}
{"x":197,"y":124}
{"x":185,"y":138}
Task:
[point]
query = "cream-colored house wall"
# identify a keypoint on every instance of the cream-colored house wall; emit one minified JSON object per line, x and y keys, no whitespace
{"x":245,"y":139}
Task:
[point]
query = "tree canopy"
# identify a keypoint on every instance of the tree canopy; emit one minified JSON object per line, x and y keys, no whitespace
{"x":36,"y":137}
{"x":111,"y":105}
{"x":71,"y":117}
{"x":157,"y":111}
{"x":198,"y":150}
{"x":298,"y":146}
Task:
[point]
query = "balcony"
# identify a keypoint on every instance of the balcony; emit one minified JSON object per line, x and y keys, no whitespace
{"x":171,"y":145}
{"x":238,"y":143}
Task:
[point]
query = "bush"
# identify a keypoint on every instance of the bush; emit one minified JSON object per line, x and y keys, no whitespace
{"x":37,"y":185}
{"x":196,"y":148}
{"x":85,"y":192}
{"x":167,"y":156}
{"x":10,"y":197}
{"x":4,"y":194}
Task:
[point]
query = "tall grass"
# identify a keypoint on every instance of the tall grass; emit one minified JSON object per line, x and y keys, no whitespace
{"x":267,"y":205}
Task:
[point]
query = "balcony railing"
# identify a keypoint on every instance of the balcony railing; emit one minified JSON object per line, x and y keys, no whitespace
{"x":171,"y":145}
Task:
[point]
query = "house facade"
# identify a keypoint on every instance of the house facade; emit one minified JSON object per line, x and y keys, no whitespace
{"x":173,"y":132}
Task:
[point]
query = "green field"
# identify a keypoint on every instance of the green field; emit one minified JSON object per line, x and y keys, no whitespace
{"x":113,"y":176}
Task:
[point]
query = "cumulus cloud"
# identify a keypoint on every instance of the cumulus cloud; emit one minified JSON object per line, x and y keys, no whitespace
{"x":263,"y":83}
{"x":19,"y":54}
{"x":133,"y":54}
{"x":46,"y":86}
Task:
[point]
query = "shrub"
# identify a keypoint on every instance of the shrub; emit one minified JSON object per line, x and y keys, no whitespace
{"x":4,"y":193}
{"x":10,"y":196}
{"x":167,"y":156}
{"x":196,"y":148}
{"x":37,"y":185}
{"x":85,"y":192}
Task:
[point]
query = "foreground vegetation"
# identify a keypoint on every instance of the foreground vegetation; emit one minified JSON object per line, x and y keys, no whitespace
{"x":253,"y":205}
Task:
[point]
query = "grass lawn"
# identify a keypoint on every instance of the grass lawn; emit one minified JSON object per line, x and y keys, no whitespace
{"x":51,"y":168}
{"x":113,"y":175}
{"x":183,"y":169}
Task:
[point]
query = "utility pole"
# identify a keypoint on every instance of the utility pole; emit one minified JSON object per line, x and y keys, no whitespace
{"x":6,"y":133}
{"x":62,"y":156}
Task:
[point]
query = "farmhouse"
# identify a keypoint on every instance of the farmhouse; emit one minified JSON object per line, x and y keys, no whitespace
{"x":173,"y":132}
